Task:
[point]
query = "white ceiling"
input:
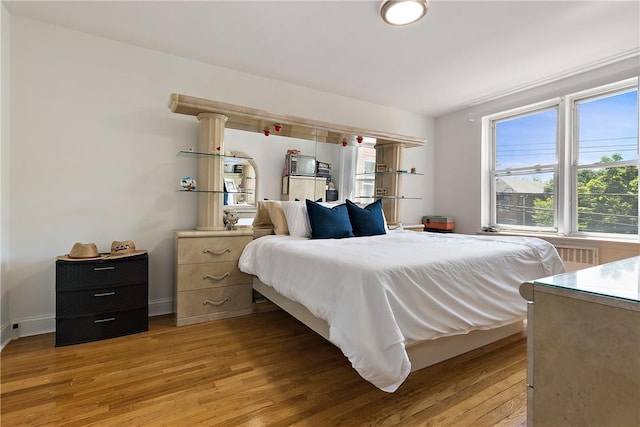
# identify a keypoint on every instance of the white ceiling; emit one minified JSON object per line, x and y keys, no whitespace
{"x":462,"y":52}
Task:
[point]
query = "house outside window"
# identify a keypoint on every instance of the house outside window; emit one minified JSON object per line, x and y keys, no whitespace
{"x":567,"y":165}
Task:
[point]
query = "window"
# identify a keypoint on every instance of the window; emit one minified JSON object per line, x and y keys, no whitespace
{"x":365,"y":172}
{"x":568,"y":165}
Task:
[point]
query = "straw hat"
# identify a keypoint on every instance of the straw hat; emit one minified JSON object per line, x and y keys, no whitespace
{"x":89,"y":251}
{"x":123,"y":249}
{"x":82,"y":252}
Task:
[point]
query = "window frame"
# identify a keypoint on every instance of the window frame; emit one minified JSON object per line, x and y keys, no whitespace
{"x":566,"y":167}
{"x":573,"y":165}
{"x":552,"y":168}
{"x":362,"y":178}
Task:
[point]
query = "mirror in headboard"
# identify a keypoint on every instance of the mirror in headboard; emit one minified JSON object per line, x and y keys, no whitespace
{"x":267,"y":136}
{"x":240,"y":181}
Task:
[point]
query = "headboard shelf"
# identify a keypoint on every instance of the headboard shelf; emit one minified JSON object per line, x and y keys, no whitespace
{"x":256,"y":120}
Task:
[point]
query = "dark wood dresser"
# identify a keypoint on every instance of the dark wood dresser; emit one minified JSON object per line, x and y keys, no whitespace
{"x":100,"y":299}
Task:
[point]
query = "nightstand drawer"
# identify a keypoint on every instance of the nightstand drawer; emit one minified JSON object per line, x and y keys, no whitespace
{"x":210,"y":275}
{"x":215,"y":300}
{"x":94,"y":274}
{"x":96,"y":327}
{"x":211,"y":249}
{"x":101,"y":300}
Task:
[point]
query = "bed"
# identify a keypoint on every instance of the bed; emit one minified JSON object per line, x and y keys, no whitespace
{"x":401,"y":300}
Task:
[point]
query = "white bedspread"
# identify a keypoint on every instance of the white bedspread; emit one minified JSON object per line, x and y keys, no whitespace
{"x":381,"y":293}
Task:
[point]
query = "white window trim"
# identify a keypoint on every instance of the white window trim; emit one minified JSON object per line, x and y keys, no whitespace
{"x":488,"y":138}
{"x":571,"y":163}
{"x":567,"y":155}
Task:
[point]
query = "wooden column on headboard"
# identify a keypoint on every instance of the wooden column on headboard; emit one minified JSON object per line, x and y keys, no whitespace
{"x":210,"y":172}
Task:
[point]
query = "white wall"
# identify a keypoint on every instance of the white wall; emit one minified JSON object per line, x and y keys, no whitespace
{"x":93,"y":152}
{"x":5,"y":327}
{"x":458,"y":154}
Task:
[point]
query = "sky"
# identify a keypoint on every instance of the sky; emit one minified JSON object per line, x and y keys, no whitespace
{"x":605,"y":126}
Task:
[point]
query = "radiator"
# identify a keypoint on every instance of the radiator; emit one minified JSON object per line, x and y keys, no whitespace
{"x":578,"y":257}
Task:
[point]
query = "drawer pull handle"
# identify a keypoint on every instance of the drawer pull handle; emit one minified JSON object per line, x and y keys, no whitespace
{"x":227,"y":299}
{"x":216,"y":278}
{"x":212,"y":252}
{"x":109,"y":319}
{"x":104,"y":294}
{"x":103,"y":268}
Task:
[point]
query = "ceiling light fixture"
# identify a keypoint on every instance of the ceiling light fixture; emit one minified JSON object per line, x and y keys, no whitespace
{"x":403,"y":12}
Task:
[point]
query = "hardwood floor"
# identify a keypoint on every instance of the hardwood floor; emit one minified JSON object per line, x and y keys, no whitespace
{"x":266,"y":369}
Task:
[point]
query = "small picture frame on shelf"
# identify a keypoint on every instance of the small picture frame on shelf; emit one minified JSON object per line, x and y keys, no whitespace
{"x":381,"y":192}
{"x":381,"y":167}
{"x":230,"y":185}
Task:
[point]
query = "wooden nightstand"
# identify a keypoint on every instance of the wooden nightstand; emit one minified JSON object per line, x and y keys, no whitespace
{"x":100,"y":299}
{"x":208,"y":284}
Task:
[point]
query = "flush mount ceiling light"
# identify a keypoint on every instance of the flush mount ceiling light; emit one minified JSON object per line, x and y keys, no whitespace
{"x":403,"y":12}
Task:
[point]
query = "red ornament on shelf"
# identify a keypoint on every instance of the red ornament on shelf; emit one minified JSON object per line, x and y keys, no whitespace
{"x":344,"y":142}
{"x":267,"y":132}
{"x":278,"y":128}
{"x":359,"y":139}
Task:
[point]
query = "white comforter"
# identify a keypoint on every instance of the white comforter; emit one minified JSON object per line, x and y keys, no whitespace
{"x":381,"y":293}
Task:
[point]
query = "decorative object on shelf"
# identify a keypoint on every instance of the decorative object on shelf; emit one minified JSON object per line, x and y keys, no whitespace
{"x":267,"y":132}
{"x":403,"y":12}
{"x":413,"y":170}
{"x":230,"y":219}
{"x":278,"y":128}
{"x":344,"y":142}
{"x":380,"y":167}
{"x":230,"y":186}
{"x":359,"y":139}
{"x":188,"y":184}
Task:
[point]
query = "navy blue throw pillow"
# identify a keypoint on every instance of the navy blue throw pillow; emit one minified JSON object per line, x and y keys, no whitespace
{"x":328,"y":223}
{"x":367,"y":221}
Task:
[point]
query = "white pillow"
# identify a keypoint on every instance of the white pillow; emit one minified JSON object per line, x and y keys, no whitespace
{"x":297,"y":218}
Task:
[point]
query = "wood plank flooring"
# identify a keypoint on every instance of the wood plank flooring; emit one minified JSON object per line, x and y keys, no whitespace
{"x":265,"y":369}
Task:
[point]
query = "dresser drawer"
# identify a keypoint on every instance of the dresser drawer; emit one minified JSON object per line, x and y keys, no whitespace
{"x":210,"y":275}
{"x":77,"y":330}
{"x":214,"y":300}
{"x":95,"y":274}
{"x":101,"y":300}
{"x":211,"y":249}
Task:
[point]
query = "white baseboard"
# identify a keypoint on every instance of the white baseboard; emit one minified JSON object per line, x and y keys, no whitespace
{"x":29,"y":326}
{"x":5,"y":335}
{"x":160,"y":306}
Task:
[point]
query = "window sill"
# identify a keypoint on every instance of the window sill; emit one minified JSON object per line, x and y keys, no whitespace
{"x":578,"y":240}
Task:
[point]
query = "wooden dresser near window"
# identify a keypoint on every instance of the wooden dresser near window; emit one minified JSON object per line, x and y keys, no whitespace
{"x":208,"y":283}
